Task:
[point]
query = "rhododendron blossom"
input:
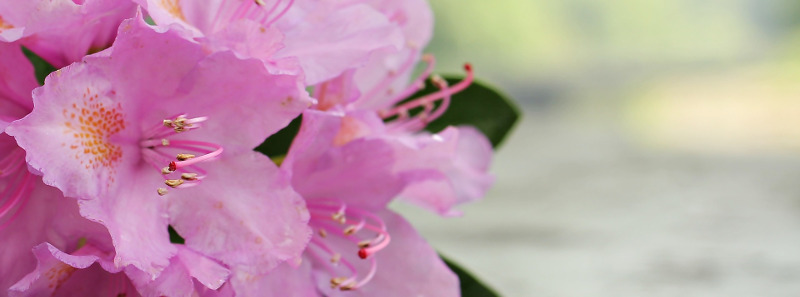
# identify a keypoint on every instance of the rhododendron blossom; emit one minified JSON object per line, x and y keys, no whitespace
{"x":98,"y":135}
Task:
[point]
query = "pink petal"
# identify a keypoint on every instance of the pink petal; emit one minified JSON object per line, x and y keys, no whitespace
{"x":446,"y":169}
{"x":17,"y":80}
{"x":244,"y":214}
{"x":408,"y":266}
{"x":329,"y":40}
{"x":330,"y":160}
{"x":62,"y":31}
{"x":61,"y":274}
{"x":284,"y":281}
{"x":47,"y":216}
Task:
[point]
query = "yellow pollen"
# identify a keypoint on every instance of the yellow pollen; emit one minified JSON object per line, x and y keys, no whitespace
{"x":162,"y":191}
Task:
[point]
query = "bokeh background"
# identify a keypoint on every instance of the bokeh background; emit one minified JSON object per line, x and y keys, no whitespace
{"x":659,"y":153}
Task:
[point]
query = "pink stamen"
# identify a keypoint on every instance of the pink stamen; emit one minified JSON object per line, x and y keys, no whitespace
{"x":390,"y":78}
{"x":419,"y":82}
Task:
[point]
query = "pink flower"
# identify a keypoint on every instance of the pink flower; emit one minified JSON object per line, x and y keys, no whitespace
{"x":326,"y":37}
{"x":442,"y":170}
{"x":63,"y":31}
{"x":154,"y":112}
{"x":358,"y":245}
{"x":90,"y":271}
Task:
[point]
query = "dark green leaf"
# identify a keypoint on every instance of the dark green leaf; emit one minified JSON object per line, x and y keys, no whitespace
{"x":480,"y":106}
{"x":277,"y":145}
{"x":174,"y":237}
{"x":470,"y":286}
{"x":40,"y":66}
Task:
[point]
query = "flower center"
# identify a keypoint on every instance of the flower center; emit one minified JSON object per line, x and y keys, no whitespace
{"x":14,"y":182}
{"x":264,"y":12}
{"x":364,"y":230}
{"x":181,"y":156}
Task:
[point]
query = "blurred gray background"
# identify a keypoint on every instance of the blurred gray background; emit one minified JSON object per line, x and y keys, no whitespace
{"x":658,"y":155}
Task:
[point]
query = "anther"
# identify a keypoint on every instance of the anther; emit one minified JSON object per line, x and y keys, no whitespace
{"x":335,"y":258}
{"x":173,"y":182}
{"x":162,"y":191}
{"x":260,"y":2}
{"x":347,"y":287}
{"x":323,"y":233}
{"x":364,"y":244}
{"x":189,"y":176}
{"x":336,"y":281}
{"x":339,"y":217}
{"x":164,"y":142}
{"x":184,"y":157}
{"x":166,"y":170}
{"x":350,"y":230}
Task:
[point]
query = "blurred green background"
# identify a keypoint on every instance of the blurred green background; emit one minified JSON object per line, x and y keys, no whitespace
{"x":658,"y":154}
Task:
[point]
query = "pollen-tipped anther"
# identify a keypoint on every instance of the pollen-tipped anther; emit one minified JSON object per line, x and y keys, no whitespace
{"x":166,"y":170}
{"x":189,"y":176}
{"x":162,"y":191}
{"x":184,"y":157}
{"x":336,"y":258}
{"x":349,"y":230}
{"x":173,"y":182}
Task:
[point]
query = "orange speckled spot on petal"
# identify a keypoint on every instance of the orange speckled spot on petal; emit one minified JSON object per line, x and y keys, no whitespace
{"x":4,"y":25}
{"x":58,"y":275}
{"x":91,"y":123}
{"x":174,"y":8}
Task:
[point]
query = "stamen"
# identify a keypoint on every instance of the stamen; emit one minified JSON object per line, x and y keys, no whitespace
{"x":162,"y":191}
{"x":173,"y":183}
{"x":426,"y":116}
{"x":184,"y":157}
{"x":189,"y":176}
{"x":324,"y":217}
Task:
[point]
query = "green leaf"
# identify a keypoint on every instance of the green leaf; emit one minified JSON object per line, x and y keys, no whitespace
{"x":470,"y":286}
{"x":41,"y":67}
{"x":480,"y":106}
{"x":174,"y":237}
{"x":277,"y":145}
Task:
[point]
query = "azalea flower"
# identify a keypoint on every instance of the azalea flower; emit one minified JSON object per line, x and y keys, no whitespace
{"x":63,"y":31}
{"x":155,"y":131}
{"x":324,"y":37}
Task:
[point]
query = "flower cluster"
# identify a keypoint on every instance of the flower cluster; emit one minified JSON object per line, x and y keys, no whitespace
{"x":147,"y":130}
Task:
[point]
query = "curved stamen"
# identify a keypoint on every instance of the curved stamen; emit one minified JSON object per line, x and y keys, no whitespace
{"x":329,"y":218}
{"x":390,"y":78}
{"x":419,"y":82}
